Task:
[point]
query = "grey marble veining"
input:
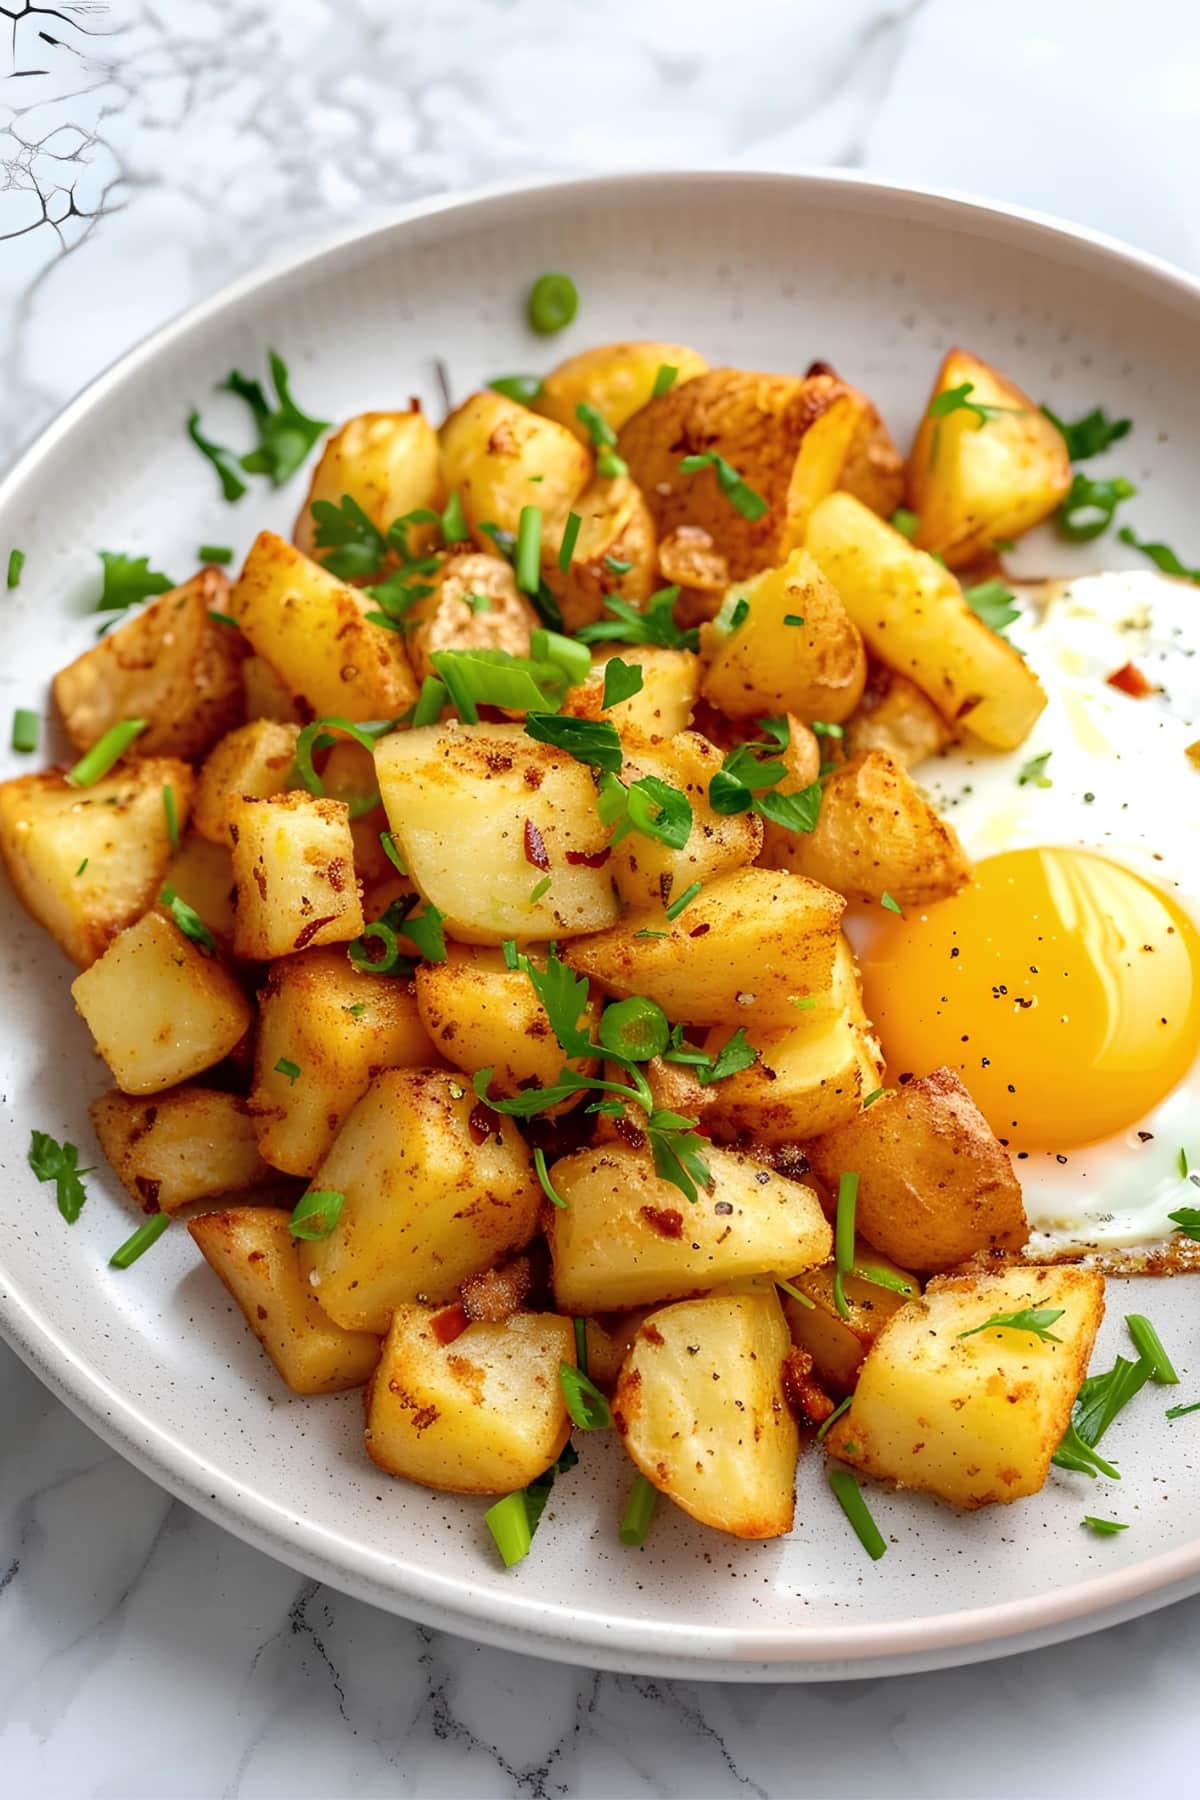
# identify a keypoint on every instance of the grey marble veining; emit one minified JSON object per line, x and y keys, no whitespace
{"x":151,"y":152}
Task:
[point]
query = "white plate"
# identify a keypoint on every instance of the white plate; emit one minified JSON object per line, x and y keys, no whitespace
{"x":767,"y":272}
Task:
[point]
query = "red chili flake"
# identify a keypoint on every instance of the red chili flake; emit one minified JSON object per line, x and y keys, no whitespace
{"x":535,"y":847}
{"x":664,"y":1219}
{"x":479,"y":1123}
{"x":805,"y":1395}
{"x":1130,"y":680}
{"x":629,"y":1133}
{"x":308,"y":932}
{"x":590,"y":859}
{"x":699,"y":930}
{"x":448,"y":1325}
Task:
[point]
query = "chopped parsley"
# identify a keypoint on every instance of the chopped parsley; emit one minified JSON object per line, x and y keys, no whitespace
{"x":655,"y":625}
{"x":1033,"y":773}
{"x":1091,"y":434}
{"x":622,"y":681}
{"x":223,"y":460}
{"x":352,"y":545}
{"x":587,"y":1406}
{"x":316,"y":1213}
{"x":744,"y":782}
{"x":733,"y":1056}
{"x":1035,"y":1319}
{"x":1102,"y":1527}
{"x":1187,"y":1220}
{"x":591,"y":741}
{"x":128,"y":580}
{"x":992,"y":601}
{"x":892,"y":906}
{"x":522,"y":388}
{"x":285,"y":434}
{"x":958,"y":399}
{"x":648,"y":805}
{"x":59,"y":1163}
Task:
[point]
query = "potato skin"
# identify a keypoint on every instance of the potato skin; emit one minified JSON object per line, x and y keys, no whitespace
{"x":617,"y":379}
{"x":786,"y":436}
{"x":877,"y":834}
{"x":171,"y":664}
{"x":935,"y":1186}
{"x":444,"y":621}
{"x":816,"y":669}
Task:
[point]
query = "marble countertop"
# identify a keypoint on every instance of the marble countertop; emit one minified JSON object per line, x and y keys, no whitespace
{"x":150,"y":152}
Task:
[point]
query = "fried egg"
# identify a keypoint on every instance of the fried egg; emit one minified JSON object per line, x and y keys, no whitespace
{"x":1064,"y":983}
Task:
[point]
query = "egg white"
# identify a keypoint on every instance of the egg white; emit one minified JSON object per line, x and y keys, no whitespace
{"x":1121,"y":784}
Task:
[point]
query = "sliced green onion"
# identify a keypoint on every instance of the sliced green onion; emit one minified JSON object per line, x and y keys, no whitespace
{"x":834,"y":1416}
{"x":16,"y":562}
{"x":382,"y":933}
{"x":552,"y":304}
{"x":430,"y":701}
{"x":848,"y":1495}
{"x":843,"y":1247}
{"x":285,"y":1066}
{"x":638,"y":1516}
{"x":319,"y":735}
{"x":1150,"y":1347}
{"x":316,"y":1213}
{"x":527,"y":558}
{"x":215,"y":553}
{"x":581,"y":1351}
{"x":664,"y":380}
{"x":476,"y":678}
{"x":24,"y":729}
{"x":388,"y":844}
{"x":508,"y":1522}
{"x":109,"y":749}
{"x":523,"y":388}
{"x":1103,"y":1527}
{"x":543,"y":1174}
{"x":635,"y":1029}
{"x":685,"y":899}
{"x":1179,"y":1412}
{"x":454,"y":520}
{"x":566,"y":549}
{"x":587,"y":1406}
{"x":892,"y":906}
{"x":220,"y":618}
{"x":567,"y":654}
{"x":171,"y":815}
{"x":140,"y":1242}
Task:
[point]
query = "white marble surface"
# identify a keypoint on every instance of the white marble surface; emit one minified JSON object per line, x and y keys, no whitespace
{"x":151,"y":152}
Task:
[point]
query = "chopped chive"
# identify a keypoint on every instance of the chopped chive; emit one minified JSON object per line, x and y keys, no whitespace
{"x":847,"y":1200}
{"x":523,"y":388}
{"x":393,"y":855}
{"x":664,"y":380}
{"x":188,"y":920}
{"x":895,"y":1284}
{"x":83,"y":865}
{"x":685,"y":899}
{"x":215,"y":553}
{"x":822,"y":728}
{"x":849,"y":1497}
{"x":1179,"y":1412}
{"x":220,"y":618}
{"x":639,"y":1513}
{"x":581,"y":1354}
{"x":834,"y":1416}
{"x":905,"y":522}
{"x":430,"y":701}
{"x":566,"y":549}
{"x":1183,"y":1163}
{"x":528,"y":555}
{"x":16,"y":562}
{"x":286,"y":1067}
{"x":316,"y":1213}
{"x":508,"y":1522}
{"x":587,"y":1406}
{"x":615,"y":565}
{"x":1103,"y":1527}
{"x":892,"y":906}
{"x":105,"y":752}
{"x":1035,"y":1319}
{"x":1150,"y":1348}
{"x":140,"y":1242}
{"x":793,"y":618}
{"x":455,"y":529}
{"x":647,"y":933}
{"x":552,"y":304}
{"x":24,"y":729}
{"x":172,"y":816}
{"x":543,"y":1174}
{"x":795,"y":1293}
{"x":538,"y":889}
{"x":873,"y":1096}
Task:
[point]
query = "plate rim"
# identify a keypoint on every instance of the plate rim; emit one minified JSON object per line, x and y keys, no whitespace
{"x":514,"y":1620}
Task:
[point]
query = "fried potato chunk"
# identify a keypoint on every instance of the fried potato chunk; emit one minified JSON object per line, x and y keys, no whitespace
{"x":475,"y":605}
{"x":793,"y":650}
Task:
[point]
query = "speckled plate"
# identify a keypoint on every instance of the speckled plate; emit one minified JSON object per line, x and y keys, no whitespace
{"x":767,"y":272}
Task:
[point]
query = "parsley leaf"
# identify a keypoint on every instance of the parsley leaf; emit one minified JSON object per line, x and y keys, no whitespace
{"x":740,"y":785}
{"x":1161,"y":555}
{"x":1036,"y":1319}
{"x":1034,"y":771}
{"x":355,"y":546}
{"x":128,"y":580}
{"x":656,"y":625}
{"x":621,"y":681}
{"x":731,"y":1059}
{"x":992,"y":601}
{"x":648,"y":805}
{"x":587,"y":1406}
{"x":285,"y":434}
{"x":677,"y":1152}
{"x":563,"y":995}
{"x":958,"y":399}
{"x":51,"y":1161}
{"x":1187,"y":1220}
{"x":224,"y":461}
{"x":592,"y":741}
{"x":1091,"y":434}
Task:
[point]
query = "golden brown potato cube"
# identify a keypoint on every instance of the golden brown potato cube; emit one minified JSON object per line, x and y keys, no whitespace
{"x":689,"y":560}
{"x":348,"y":773}
{"x":894,"y":715}
{"x":480,"y":1014}
{"x":934,"y":1184}
{"x":700,"y":1407}
{"x":159,"y":1008}
{"x":616,"y":379}
{"x":481,"y":1414}
{"x":627,"y":1237}
{"x":912,"y":614}
{"x":254,"y":1253}
{"x":874,"y":469}
{"x":801,"y":757}
{"x":649,"y":873}
{"x":191,"y":1143}
{"x":293,"y":863}
{"x":86,"y":862}
{"x":475,"y":605}
{"x":877,"y":834}
{"x":265,"y":695}
{"x":314,"y":632}
{"x":973,"y":480}
{"x":807,"y":1078}
{"x":388,"y":462}
{"x":973,"y":1416}
{"x":609,"y":1339}
{"x":437,"y":1187}
{"x":325,"y":1031}
{"x":480,"y":814}
{"x":838,"y":1345}
{"x":615,"y":528}
{"x":202,"y":875}
{"x":742,"y":951}
{"x":794,"y":651}
{"x":501,"y":458}
{"x":258,"y":759}
{"x":171,"y":664}
{"x":663,"y":704}
{"x":786,"y":436}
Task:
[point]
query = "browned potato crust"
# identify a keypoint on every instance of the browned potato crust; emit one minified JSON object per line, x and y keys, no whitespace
{"x":689,"y":560}
{"x":816,"y":668}
{"x":874,"y":469}
{"x":445,"y":620}
{"x":617,"y":379}
{"x":934,"y":1184}
{"x":171,"y":664}
{"x":877,"y":834}
{"x":786,"y":436}
{"x":191,"y":1143}
{"x":616,"y":528}
{"x":895,"y":716}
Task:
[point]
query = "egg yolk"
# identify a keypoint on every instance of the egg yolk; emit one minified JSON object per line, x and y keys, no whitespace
{"x":1064,"y":989}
